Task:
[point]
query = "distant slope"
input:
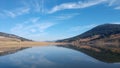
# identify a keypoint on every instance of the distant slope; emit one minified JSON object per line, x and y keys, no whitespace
{"x":11,"y":37}
{"x":98,"y":32}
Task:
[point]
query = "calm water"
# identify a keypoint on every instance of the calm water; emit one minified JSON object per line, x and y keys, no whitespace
{"x":52,"y":57}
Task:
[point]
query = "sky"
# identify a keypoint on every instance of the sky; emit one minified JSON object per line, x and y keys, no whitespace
{"x":48,"y":20}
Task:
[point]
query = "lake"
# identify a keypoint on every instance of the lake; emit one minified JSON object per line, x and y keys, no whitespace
{"x":52,"y":57}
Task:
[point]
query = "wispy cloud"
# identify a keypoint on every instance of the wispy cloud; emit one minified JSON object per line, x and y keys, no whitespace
{"x":66,"y":16}
{"x":82,"y":28}
{"x":31,"y":6}
{"x":114,"y":3}
{"x":84,"y":4}
{"x":75,"y":5}
{"x":32,"y":27}
{"x":35,"y":5}
{"x":86,"y":27}
{"x":115,"y":22}
{"x":38,"y":6}
{"x":118,"y":8}
{"x":15,"y":12}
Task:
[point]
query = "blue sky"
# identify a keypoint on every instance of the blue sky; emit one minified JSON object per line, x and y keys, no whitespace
{"x":44,"y":20}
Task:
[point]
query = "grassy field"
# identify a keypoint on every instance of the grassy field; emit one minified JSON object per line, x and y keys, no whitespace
{"x":26,"y":44}
{"x":10,"y":46}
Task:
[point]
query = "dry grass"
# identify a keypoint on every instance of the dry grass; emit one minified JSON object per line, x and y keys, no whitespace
{"x":11,"y":46}
{"x":25,"y":44}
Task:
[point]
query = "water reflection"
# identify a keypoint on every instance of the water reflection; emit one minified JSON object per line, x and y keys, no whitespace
{"x":104,"y":56}
{"x":12,"y":51}
{"x":51,"y":57}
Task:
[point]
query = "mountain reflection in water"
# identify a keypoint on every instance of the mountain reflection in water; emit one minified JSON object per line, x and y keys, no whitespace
{"x":57,"y":57}
{"x":104,"y":56}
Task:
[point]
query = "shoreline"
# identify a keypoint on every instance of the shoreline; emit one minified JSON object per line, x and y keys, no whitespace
{"x":11,"y":47}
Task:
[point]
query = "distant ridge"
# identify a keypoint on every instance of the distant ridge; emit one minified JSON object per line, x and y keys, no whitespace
{"x":98,"y":32}
{"x":11,"y":37}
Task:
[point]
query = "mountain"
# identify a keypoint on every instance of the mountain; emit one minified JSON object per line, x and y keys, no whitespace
{"x":106,"y":32}
{"x":11,"y":37}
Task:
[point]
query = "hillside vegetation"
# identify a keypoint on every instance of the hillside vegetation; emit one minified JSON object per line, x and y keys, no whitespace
{"x":104,"y":37}
{"x":10,"y":37}
{"x":105,"y":32}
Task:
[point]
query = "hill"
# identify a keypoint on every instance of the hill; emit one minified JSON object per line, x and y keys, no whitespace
{"x":11,"y":37}
{"x":106,"y":32}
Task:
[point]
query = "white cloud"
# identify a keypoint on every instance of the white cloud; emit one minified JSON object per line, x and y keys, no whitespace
{"x":32,"y":28}
{"x":31,"y":6}
{"x":75,"y":5}
{"x":35,"y":5}
{"x":82,"y":28}
{"x":15,"y":12}
{"x":34,"y":20}
{"x":111,"y":2}
{"x":115,"y":22}
{"x":66,"y":16}
{"x":38,"y":6}
{"x":43,"y":26}
{"x":9,"y":13}
{"x":114,"y":3}
{"x":84,"y":4}
{"x":118,"y":8}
